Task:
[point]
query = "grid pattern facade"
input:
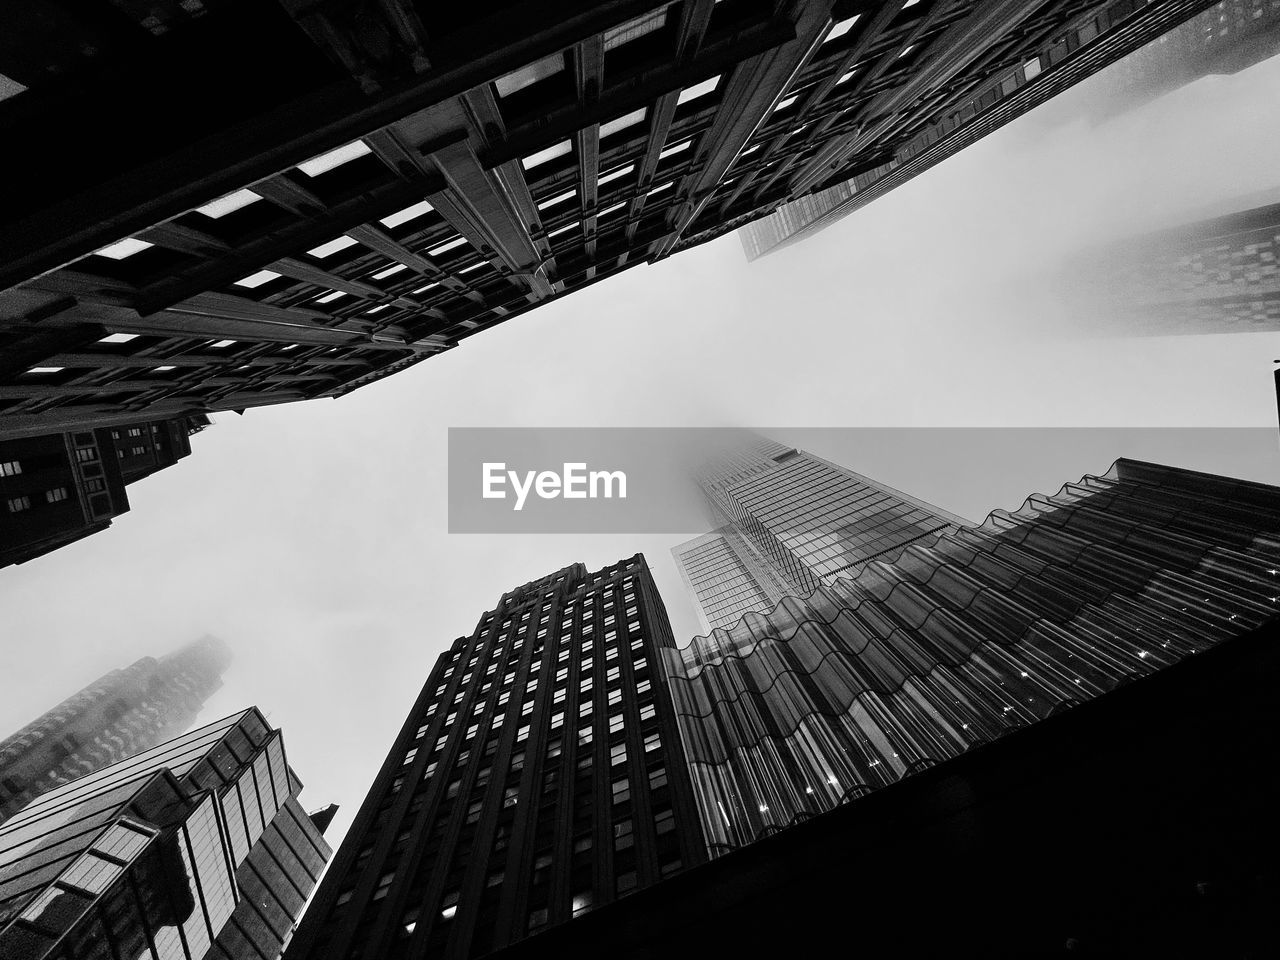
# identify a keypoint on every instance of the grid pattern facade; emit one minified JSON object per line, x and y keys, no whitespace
{"x":382,"y":199}
{"x":1215,"y":276}
{"x":539,"y":776}
{"x":956,"y":640}
{"x":797,"y":522}
{"x":117,"y":716}
{"x":903,"y":131}
{"x":720,"y":575}
{"x":194,"y":850}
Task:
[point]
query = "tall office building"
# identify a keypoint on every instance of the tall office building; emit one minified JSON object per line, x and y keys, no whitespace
{"x":539,"y":776}
{"x":377,"y":181}
{"x":194,"y":850}
{"x":911,"y":133}
{"x":1218,"y":275}
{"x":788,"y":522}
{"x":121,"y":714}
{"x":1230,"y":36}
{"x":62,"y":487}
{"x":960,"y":637}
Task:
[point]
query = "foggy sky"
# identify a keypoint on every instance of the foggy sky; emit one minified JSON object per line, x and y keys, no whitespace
{"x":311,"y":537}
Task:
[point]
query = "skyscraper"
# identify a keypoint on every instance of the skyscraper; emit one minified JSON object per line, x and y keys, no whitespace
{"x":58,"y":488}
{"x":915,"y":134}
{"x":788,"y":522}
{"x":194,"y":850}
{"x":958,"y":638}
{"x":381,"y":180}
{"x":120,"y":714}
{"x":1217,"y":275}
{"x":539,"y":776}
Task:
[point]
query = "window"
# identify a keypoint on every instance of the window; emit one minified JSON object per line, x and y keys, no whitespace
{"x":657,"y":778}
{"x":647,"y":711}
{"x":10,"y":468}
{"x":530,"y":74}
{"x":652,"y":742}
{"x":541,"y":868}
{"x":383,"y":885}
{"x":55,"y":495}
{"x":616,"y":125}
{"x":644,"y":24}
{"x":664,"y":821}
{"x":623,"y":835}
{"x":537,"y":918}
{"x":618,"y":754}
{"x":510,"y":797}
{"x":18,"y":504}
{"x":670,"y":867}
{"x":449,"y":905}
{"x":581,"y":902}
{"x":542,"y":156}
{"x":582,"y":844}
{"x":408,"y":757}
{"x":621,"y":790}
{"x":626,"y":882}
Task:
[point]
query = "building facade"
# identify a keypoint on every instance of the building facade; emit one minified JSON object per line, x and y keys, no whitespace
{"x":941,"y":107}
{"x":965,"y":636}
{"x":120,"y":714}
{"x":194,"y":850}
{"x":383,"y":180}
{"x":788,"y":522}
{"x":539,"y":776}
{"x":1230,"y":36}
{"x":1218,"y":275}
{"x":62,"y":487}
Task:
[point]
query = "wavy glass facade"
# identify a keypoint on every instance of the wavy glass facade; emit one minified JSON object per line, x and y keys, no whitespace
{"x":119,"y":715}
{"x":539,"y":777}
{"x":194,"y":850}
{"x":380,"y":180}
{"x":957,"y":639}
{"x":788,"y":523}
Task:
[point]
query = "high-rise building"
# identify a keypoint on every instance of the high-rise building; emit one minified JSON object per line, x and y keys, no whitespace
{"x":1218,"y":275}
{"x":120,"y":714}
{"x":539,"y":776}
{"x":194,"y":850}
{"x":958,"y":638}
{"x":1230,"y":36}
{"x":788,"y":522}
{"x":382,"y":179}
{"x":58,"y":488}
{"x":907,"y":131}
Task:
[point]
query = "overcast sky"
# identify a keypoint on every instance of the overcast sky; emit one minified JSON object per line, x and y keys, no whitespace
{"x":312,"y":537}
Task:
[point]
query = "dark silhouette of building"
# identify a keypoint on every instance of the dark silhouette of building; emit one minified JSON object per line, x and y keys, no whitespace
{"x":1218,"y":275}
{"x":904,"y":129}
{"x":194,"y":850}
{"x":379,"y":180}
{"x":786,"y":523}
{"x":62,"y":487}
{"x":538,"y":777}
{"x":121,"y":714}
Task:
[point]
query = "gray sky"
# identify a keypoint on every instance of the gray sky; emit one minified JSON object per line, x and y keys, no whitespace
{"x":312,"y":537}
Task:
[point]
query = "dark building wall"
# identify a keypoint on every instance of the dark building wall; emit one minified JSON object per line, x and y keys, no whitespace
{"x":122,"y":713}
{"x":59,"y":488}
{"x":540,"y":774}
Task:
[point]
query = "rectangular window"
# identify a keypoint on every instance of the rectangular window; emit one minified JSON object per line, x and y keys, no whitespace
{"x":18,"y":504}
{"x":10,"y":468}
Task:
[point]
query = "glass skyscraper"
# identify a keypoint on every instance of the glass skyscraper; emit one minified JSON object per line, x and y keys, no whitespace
{"x":788,"y":522}
{"x":194,"y":850}
{"x":959,"y":637}
{"x":120,"y":714}
{"x":538,"y":777}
